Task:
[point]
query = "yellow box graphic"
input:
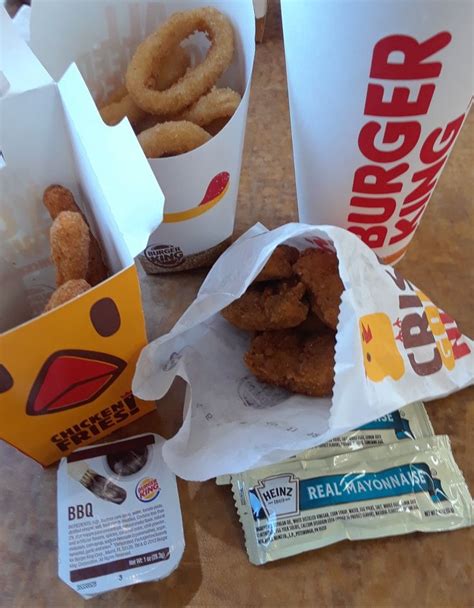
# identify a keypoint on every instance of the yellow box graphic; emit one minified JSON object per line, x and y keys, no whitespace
{"x":65,"y":376}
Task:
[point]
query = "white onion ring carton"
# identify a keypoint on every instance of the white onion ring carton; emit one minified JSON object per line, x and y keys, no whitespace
{"x":201,"y":186}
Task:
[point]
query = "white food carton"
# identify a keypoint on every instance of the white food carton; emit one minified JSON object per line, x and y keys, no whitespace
{"x":378,"y":93}
{"x":200,"y":186}
{"x":65,"y":376}
{"x":119,"y":518}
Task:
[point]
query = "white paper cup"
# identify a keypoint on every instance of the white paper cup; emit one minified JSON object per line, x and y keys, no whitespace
{"x":201,"y":186}
{"x":378,"y":94}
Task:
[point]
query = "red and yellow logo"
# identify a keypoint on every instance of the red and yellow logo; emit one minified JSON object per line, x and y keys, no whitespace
{"x":426,"y":335}
{"x":215,"y":192}
{"x":381,"y":355}
{"x":147,"y":489}
{"x":70,"y":378}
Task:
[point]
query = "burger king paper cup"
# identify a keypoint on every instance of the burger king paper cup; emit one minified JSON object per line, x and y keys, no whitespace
{"x":201,"y":186}
{"x":378,"y":94}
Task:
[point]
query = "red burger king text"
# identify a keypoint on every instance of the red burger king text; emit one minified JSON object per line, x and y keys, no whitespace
{"x":383,"y":193}
{"x":430,"y":337}
{"x":94,"y":425}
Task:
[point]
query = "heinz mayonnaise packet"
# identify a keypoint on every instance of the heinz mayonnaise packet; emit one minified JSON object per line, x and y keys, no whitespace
{"x":119,"y":520}
{"x":410,"y":422}
{"x":296,"y":506}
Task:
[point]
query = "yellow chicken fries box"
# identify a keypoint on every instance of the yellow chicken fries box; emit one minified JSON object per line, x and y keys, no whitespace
{"x":65,"y":375}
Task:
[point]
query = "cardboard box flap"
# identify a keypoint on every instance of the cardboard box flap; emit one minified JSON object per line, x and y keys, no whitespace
{"x":36,"y":153}
{"x":20,"y":70}
{"x":135,"y":207}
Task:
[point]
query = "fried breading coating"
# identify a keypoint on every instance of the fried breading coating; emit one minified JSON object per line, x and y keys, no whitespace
{"x":170,"y":138}
{"x":279,"y":264}
{"x":114,"y":112}
{"x":275,"y":306}
{"x":67,"y":291}
{"x":70,"y":241}
{"x":217,"y":125}
{"x":312,"y":324}
{"x":218,"y":103}
{"x":120,"y":103}
{"x":293,"y":360}
{"x":198,"y":80}
{"x":318,"y":270}
{"x":56,"y":199}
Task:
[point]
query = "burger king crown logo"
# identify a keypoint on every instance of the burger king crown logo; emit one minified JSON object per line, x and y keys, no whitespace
{"x":147,"y":489}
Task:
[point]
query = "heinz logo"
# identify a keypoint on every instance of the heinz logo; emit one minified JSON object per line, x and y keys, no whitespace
{"x":147,"y":489}
{"x":279,"y":494}
{"x":392,"y":186}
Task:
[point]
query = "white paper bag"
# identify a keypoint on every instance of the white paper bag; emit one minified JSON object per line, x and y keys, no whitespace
{"x":232,"y":422}
{"x":101,"y":38}
{"x":378,"y":94}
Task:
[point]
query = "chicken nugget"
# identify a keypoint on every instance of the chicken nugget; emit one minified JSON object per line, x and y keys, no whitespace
{"x":312,"y":324}
{"x":279,"y":264}
{"x":70,"y":241}
{"x":67,"y":291}
{"x":275,"y":306}
{"x":57,"y":198}
{"x":318,"y":270}
{"x":295,"y":361}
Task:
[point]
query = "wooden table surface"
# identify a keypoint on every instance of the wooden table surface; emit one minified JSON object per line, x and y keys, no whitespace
{"x":416,"y":570}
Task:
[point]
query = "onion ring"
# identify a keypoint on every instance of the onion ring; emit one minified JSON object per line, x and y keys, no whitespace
{"x":215,"y":126}
{"x":170,"y":138}
{"x":213,"y":109}
{"x":113,"y":113}
{"x":198,"y":80}
{"x":120,"y":105}
{"x":218,"y":103}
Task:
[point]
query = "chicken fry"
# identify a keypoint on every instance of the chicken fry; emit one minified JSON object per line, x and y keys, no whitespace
{"x":293,"y":360}
{"x":56,"y":199}
{"x":70,"y":241}
{"x":275,"y":306}
{"x":67,"y":291}
{"x":318,"y":270}
{"x":279,"y":264}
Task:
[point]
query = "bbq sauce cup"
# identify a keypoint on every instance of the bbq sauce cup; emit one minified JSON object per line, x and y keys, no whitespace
{"x":201,"y":186}
{"x":65,"y":376}
{"x":378,"y":94}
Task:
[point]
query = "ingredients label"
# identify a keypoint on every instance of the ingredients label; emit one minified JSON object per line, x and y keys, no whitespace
{"x":119,"y":520}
